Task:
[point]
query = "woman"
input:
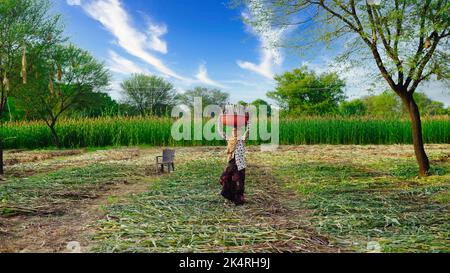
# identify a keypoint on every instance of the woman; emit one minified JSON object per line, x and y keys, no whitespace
{"x":233,"y":178}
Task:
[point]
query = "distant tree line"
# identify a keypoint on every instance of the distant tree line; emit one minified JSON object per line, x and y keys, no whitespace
{"x":387,"y":104}
{"x":303,"y":92}
{"x":300,"y":92}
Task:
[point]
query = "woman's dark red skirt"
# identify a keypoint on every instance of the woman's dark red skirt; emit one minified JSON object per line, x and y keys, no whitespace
{"x":233,"y":183}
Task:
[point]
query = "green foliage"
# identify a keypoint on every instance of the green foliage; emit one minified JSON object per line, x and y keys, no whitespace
{"x":353,"y":108}
{"x":302,"y":91}
{"x":209,"y":96}
{"x":151,"y":95}
{"x":25,"y":25}
{"x":64,"y":78}
{"x":95,"y":104}
{"x":428,"y":106}
{"x":12,"y":113}
{"x":260,"y":102}
{"x":369,"y":35}
{"x":388,"y":104}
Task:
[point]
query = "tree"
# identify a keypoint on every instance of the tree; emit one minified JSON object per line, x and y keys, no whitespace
{"x":243,"y":103}
{"x":94,"y":104}
{"x":62,"y":81}
{"x":150,"y":94}
{"x":428,"y":106}
{"x":260,"y":102}
{"x":12,"y":113}
{"x":407,"y":41}
{"x":24,"y":25}
{"x":125,"y":109}
{"x":209,"y":97}
{"x":302,"y":91}
{"x":355,"y":107}
{"x":386,"y":104}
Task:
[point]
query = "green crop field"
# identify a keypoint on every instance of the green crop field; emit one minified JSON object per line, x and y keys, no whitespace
{"x":123,"y":131}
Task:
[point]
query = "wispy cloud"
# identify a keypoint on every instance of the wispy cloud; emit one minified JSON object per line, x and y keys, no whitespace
{"x":203,"y":77}
{"x":114,"y":18}
{"x":241,"y":82}
{"x":123,"y":65}
{"x":268,"y":36}
{"x":156,"y":43}
{"x":74,"y":2}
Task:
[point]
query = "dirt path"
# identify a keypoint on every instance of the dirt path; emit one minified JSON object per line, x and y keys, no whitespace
{"x":185,"y":213}
{"x":40,"y":234}
{"x":280,"y":209}
{"x":51,"y":233}
{"x":28,"y":163}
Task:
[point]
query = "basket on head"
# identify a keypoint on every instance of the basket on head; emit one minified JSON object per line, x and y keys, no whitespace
{"x":234,"y":120}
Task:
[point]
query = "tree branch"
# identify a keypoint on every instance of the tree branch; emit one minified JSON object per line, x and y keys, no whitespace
{"x":390,"y":51}
{"x":399,"y":23}
{"x":334,"y":13}
{"x":423,"y":63}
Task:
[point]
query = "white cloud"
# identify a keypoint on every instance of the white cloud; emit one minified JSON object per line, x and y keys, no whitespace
{"x":124,"y":66}
{"x":114,"y":18}
{"x":203,"y":77}
{"x":241,"y":82}
{"x":115,"y":90}
{"x":155,"y":32}
{"x":268,"y":36}
{"x":74,"y":2}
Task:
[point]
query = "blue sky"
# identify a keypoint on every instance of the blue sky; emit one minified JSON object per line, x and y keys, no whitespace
{"x":191,"y":42}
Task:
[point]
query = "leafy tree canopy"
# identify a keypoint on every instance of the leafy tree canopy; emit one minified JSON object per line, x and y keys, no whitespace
{"x":25,"y":26}
{"x":387,"y":104}
{"x":151,"y":95}
{"x":62,"y":79}
{"x":303,"y":91}
{"x":209,"y":97}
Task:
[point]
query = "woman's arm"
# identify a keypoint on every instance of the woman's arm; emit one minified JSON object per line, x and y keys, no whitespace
{"x":219,"y":128}
{"x":247,"y":132}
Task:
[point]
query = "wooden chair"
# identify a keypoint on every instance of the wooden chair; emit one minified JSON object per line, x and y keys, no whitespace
{"x":168,"y":158}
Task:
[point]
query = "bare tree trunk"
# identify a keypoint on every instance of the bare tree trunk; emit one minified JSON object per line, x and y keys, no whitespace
{"x":416,"y":124}
{"x":1,"y":157}
{"x":56,"y":140}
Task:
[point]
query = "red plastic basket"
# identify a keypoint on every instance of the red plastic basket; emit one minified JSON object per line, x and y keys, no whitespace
{"x":235,"y":120}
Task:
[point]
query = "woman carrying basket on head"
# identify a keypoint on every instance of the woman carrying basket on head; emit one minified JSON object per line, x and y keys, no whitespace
{"x":233,"y":178}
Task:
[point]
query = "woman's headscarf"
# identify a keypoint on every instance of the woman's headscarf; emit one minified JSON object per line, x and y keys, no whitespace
{"x":231,"y":147}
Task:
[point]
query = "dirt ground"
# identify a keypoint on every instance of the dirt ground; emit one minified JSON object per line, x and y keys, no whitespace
{"x":28,"y":230}
{"x":51,"y":233}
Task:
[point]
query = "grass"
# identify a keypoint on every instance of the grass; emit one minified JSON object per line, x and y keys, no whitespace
{"x":184,"y":213}
{"x":51,"y":193}
{"x":131,"y":131}
{"x":357,"y":202}
{"x":321,"y":198}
